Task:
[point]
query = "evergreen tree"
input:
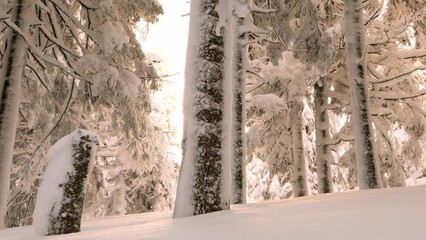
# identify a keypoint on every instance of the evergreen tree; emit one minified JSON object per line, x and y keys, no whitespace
{"x":84,"y":68}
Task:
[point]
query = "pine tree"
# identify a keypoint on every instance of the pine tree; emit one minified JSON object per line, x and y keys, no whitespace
{"x":88,"y":72}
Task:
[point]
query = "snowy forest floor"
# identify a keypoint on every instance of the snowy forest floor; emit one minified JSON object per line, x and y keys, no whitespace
{"x":398,"y":213}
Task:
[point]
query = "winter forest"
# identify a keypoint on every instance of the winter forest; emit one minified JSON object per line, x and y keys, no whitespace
{"x":282,"y":99}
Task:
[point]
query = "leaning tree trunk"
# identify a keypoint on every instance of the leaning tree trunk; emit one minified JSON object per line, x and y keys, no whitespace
{"x":204,"y":179}
{"x":323,"y":139}
{"x":296,"y":96}
{"x":60,"y":197}
{"x":11,"y":74}
{"x":238,"y":135}
{"x":368,"y":172}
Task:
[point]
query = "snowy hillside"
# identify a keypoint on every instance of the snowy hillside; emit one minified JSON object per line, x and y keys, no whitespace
{"x":374,"y":214}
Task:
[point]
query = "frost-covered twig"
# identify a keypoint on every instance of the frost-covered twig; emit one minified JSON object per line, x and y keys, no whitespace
{"x":397,"y":78}
{"x":398,"y":98}
{"x":57,"y":41}
{"x":37,"y":52}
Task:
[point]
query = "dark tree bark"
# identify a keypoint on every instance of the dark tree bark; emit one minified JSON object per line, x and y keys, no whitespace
{"x":323,"y":139}
{"x":204,"y":179}
{"x":239,"y":115}
{"x":67,"y":219}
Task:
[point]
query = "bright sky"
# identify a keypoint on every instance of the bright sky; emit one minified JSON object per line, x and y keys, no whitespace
{"x":167,"y":38}
{"x":167,"y":41}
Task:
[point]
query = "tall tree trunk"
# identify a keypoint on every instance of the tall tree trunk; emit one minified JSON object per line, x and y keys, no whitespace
{"x":322,"y":125}
{"x":296,"y":96}
{"x":238,"y":137}
{"x":204,"y":179}
{"x":11,"y":75}
{"x":368,"y":172}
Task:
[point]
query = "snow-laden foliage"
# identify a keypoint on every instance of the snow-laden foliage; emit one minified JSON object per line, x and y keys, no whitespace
{"x":394,"y":37}
{"x":85,"y":69}
{"x":270,"y":136}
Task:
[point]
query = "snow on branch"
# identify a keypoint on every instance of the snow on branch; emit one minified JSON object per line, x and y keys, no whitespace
{"x":37,"y":52}
{"x":4,"y":16}
{"x":415,"y":53}
{"x":397,"y":78}
{"x":47,"y":33}
{"x":89,"y":4}
{"x":258,"y":9}
{"x":63,"y":10}
{"x":385,"y":96}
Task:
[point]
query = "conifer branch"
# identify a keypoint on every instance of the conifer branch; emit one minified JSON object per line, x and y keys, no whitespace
{"x":58,"y":121}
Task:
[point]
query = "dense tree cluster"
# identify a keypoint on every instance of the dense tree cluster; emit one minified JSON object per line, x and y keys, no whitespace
{"x":282,"y":98}
{"x":334,"y":92}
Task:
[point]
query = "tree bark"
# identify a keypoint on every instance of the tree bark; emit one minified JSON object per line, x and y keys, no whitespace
{"x":322,"y":125}
{"x":296,"y":96}
{"x":11,"y":75}
{"x":238,"y":136}
{"x":64,"y":212}
{"x":368,"y":171}
{"x":204,"y":179}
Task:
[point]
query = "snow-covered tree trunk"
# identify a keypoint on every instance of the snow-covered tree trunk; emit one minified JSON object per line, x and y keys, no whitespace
{"x":323,"y":138}
{"x":368,"y":172}
{"x":296,"y":96}
{"x":204,"y":180}
{"x":11,"y":74}
{"x":60,"y":197}
{"x":238,"y":137}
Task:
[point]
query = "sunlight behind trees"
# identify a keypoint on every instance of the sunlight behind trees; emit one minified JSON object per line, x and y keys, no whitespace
{"x":251,"y":100}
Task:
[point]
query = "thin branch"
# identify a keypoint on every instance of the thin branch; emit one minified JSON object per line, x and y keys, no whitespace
{"x":38,"y":76}
{"x":59,"y":120}
{"x":260,"y":85}
{"x":37,"y":52}
{"x":399,"y":77}
{"x":416,"y":95}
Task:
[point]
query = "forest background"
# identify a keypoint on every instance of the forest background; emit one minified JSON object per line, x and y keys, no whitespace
{"x":82,"y":67}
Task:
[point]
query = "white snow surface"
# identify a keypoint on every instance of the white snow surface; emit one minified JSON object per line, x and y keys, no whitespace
{"x":398,"y":213}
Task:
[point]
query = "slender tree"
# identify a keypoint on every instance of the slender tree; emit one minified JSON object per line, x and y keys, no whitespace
{"x":11,"y":75}
{"x":323,"y":139}
{"x":238,"y":76}
{"x":368,"y":172}
{"x":296,"y":106}
{"x":204,"y":180}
